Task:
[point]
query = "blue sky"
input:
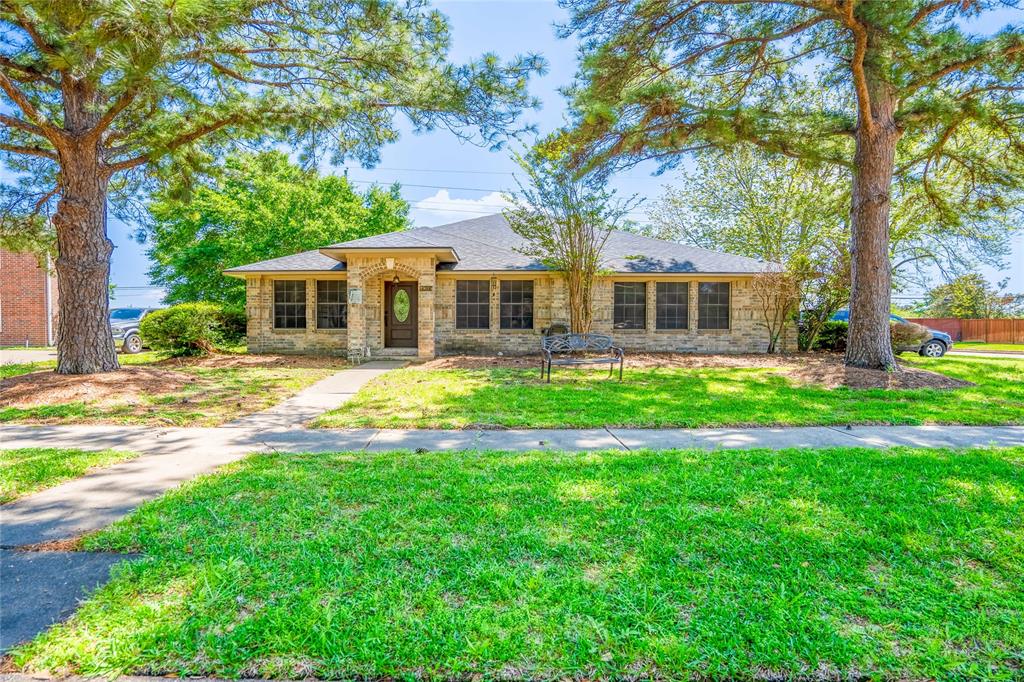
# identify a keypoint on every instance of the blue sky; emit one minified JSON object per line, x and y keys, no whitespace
{"x":447,"y":180}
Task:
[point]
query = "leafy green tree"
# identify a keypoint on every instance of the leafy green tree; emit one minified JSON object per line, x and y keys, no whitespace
{"x":566,"y":220}
{"x":905,"y":92}
{"x":778,"y":209}
{"x":255,"y":207}
{"x":95,"y":93}
{"x":971,"y":297}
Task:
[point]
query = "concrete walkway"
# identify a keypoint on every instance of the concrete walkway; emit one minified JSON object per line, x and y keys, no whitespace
{"x":17,"y":356}
{"x":319,"y":398}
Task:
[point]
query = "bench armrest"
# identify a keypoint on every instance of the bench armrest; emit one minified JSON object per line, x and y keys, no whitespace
{"x":618,"y":351}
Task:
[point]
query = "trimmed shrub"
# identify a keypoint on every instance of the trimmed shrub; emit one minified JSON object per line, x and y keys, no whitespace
{"x":832,"y":337}
{"x":184,"y":329}
{"x":908,"y":335}
{"x":233,"y":324}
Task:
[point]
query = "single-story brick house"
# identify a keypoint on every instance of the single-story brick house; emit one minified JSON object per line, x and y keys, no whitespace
{"x":468,"y":288}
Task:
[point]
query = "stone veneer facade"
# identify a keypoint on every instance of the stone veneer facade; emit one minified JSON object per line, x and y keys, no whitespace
{"x":364,"y":336}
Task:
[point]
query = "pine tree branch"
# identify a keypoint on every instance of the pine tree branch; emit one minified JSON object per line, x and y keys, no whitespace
{"x":19,"y":98}
{"x":45,"y":198}
{"x":179,"y":141}
{"x":29,"y":74}
{"x":30,"y":151}
{"x":929,"y":10}
{"x":763,"y":40}
{"x":963,"y":65}
{"x":860,"y":81}
{"x":21,"y":124}
{"x":26,"y":25}
{"x":120,"y":104}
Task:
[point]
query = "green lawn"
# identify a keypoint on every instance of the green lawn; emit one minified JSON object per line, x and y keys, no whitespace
{"x":27,"y":470}
{"x":981,"y":346}
{"x":680,"y":397}
{"x":210,"y":395}
{"x":540,"y":565}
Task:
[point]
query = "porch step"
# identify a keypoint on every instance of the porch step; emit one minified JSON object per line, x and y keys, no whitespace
{"x":395,"y":353}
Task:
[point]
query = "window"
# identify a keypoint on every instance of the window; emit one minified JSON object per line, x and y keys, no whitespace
{"x":517,"y":304}
{"x":472,"y":304}
{"x":673,"y":304}
{"x":331,"y":304}
{"x":630,"y":305}
{"x":289,"y":304}
{"x":713,"y":305}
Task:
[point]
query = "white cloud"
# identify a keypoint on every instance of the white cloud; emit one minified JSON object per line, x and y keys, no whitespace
{"x":442,"y":208}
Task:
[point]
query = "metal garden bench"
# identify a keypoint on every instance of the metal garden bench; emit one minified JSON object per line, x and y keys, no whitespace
{"x":579,"y":349}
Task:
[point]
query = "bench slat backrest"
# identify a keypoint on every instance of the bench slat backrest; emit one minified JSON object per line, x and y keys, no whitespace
{"x":574,"y":343}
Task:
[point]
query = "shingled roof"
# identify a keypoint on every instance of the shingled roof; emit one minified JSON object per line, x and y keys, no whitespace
{"x":488,"y":244}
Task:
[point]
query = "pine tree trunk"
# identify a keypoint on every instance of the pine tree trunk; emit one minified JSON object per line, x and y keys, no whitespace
{"x":868,"y":344}
{"x":84,"y":342}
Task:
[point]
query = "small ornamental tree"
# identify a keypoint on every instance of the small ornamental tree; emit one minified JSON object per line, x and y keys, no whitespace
{"x":93,"y":92}
{"x":566,"y":221}
{"x":905,"y":92}
{"x":779,"y":299}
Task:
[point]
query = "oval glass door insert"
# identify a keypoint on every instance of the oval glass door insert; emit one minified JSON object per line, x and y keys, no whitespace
{"x":401,"y":305}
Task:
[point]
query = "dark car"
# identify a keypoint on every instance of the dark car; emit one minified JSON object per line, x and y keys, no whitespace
{"x":934,"y":347}
{"x":124,"y":325}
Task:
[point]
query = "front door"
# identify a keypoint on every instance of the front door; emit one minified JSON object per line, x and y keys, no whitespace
{"x":400,"y":315}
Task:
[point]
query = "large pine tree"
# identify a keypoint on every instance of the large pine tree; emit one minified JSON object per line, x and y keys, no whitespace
{"x":93,"y":93}
{"x":905,"y":89}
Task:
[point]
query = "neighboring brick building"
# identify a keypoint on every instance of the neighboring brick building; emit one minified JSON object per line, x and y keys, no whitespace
{"x":468,"y":288}
{"x":28,"y":300}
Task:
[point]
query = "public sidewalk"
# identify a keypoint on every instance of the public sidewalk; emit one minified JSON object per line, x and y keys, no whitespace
{"x":173,"y":456}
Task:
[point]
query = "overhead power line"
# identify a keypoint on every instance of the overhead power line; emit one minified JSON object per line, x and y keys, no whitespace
{"x":404,"y":184}
{"x":464,"y":171}
{"x":485,"y":211}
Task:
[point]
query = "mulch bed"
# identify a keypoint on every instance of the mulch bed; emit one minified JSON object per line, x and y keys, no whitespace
{"x":820,"y":369}
{"x":233,"y":360}
{"x":50,"y":388}
{"x":132,"y":382}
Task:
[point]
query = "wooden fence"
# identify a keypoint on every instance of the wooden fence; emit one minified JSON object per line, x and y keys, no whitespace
{"x":1009,"y":330}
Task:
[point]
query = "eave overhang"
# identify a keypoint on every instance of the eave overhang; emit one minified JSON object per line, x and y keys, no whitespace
{"x":443,"y":254}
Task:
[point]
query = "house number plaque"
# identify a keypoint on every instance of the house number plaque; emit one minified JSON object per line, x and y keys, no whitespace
{"x":355,"y":295}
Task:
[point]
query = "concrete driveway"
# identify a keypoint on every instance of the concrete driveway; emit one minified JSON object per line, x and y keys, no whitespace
{"x":19,"y":356}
